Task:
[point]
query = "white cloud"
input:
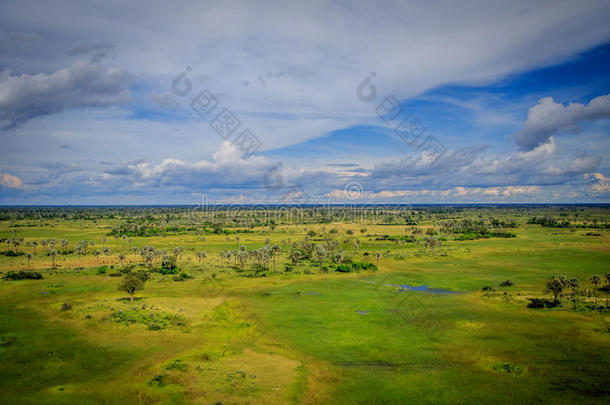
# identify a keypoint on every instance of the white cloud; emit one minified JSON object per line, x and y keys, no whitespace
{"x":228,"y":168}
{"x":289,"y":71}
{"x":9,"y":181}
{"x":598,"y":183}
{"x":548,"y":118}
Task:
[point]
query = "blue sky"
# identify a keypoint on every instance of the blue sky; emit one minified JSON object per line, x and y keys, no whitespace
{"x":515,"y":96}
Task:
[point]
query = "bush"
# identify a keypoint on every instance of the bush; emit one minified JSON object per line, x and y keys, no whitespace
{"x":12,"y":253}
{"x":507,"y":283}
{"x":157,"y":381}
{"x":183,"y":276}
{"x":66,"y":307}
{"x":114,"y":274}
{"x":101,"y":270}
{"x":169,"y":263}
{"x":176,"y":365}
{"x":541,"y":303}
{"x":344,"y":268}
{"x":169,"y":271}
{"x":22,"y":275}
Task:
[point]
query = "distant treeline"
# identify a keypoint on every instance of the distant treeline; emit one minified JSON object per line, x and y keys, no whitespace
{"x":551,"y":222}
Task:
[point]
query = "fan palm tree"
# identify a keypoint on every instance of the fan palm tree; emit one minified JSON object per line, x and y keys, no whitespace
{"x":595,"y":280}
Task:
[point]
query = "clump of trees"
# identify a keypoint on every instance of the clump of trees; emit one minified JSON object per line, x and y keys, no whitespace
{"x":563,"y":286}
{"x":469,"y":229}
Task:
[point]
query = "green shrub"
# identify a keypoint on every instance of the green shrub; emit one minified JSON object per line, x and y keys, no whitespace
{"x":22,"y":275}
{"x":344,"y":268}
{"x":176,"y":365}
{"x":508,"y":368}
{"x":11,"y":253}
{"x":183,"y":276}
{"x":541,"y":303}
{"x":157,"y":381}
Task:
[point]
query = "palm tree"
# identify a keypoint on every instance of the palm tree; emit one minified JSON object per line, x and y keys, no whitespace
{"x":178,"y":252}
{"x":607,"y":276}
{"x":97,"y":254}
{"x":574,"y":283}
{"x":320,"y":254}
{"x":53,"y":254}
{"x":275,"y":249}
{"x":106,"y":251}
{"x":595,"y":280}
{"x":202,"y":256}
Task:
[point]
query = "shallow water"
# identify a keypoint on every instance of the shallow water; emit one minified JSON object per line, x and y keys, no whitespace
{"x":425,"y":288}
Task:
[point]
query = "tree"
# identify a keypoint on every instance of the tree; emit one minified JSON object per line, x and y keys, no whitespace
{"x":295,"y":255}
{"x":169,"y":263}
{"x":202,"y":256}
{"x":555,"y":287}
{"x":178,"y":252}
{"x":595,"y":280}
{"x":607,"y":277}
{"x":97,"y":254}
{"x":29,"y":257}
{"x":130,"y":284}
{"x":320,"y":253}
{"x":275,"y":249}
{"x":106,"y":251}
{"x":574,"y":283}
{"x":53,"y":255}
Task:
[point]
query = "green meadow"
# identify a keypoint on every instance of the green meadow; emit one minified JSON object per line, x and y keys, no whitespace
{"x":348,"y":322}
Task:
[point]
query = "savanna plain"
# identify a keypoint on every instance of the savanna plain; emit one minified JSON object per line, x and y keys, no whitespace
{"x":315,"y":305}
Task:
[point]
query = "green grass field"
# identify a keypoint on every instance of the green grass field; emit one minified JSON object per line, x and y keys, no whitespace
{"x":306,"y":335}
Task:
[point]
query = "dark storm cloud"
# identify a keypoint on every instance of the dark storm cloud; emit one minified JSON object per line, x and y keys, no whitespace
{"x":84,"y":84}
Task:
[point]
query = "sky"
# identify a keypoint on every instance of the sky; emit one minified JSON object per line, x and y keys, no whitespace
{"x":269,"y":102}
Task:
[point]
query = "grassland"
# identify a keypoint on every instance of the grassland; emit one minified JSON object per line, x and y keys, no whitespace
{"x":302,"y":332}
